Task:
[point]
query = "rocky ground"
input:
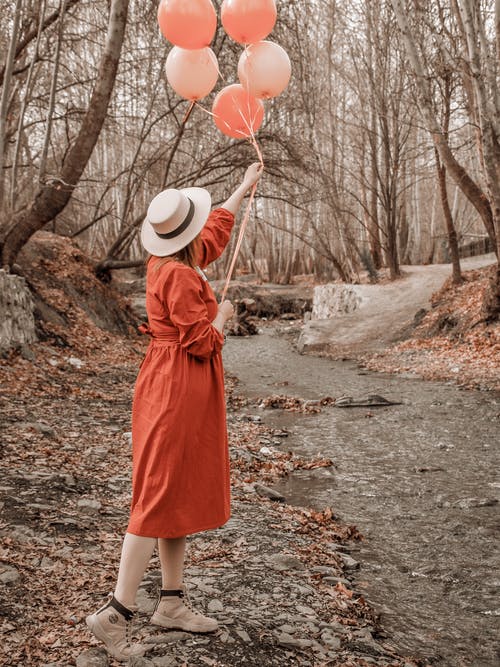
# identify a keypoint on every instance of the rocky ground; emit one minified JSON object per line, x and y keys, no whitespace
{"x":276,"y":577}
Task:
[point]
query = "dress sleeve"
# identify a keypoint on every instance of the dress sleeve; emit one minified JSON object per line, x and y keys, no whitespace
{"x":188,"y":312}
{"x":215,"y":235}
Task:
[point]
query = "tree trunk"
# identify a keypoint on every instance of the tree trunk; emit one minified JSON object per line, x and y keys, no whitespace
{"x":450,"y":227}
{"x":53,"y":196}
{"x":468,"y":186}
{"x":4,"y":103}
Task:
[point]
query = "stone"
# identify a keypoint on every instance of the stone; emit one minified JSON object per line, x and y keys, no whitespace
{"x":282,"y":562}
{"x":93,"y":657}
{"x":331,"y":640}
{"x":336,"y":580}
{"x":145,"y":602}
{"x":44,"y":429}
{"x":331,"y":299}
{"x":349,"y":562}
{"x":27,"y":353}
{"x":22,"y":534}
{"x":69,"y":480}
{"x":308,"y":611}
{"x":140,"y":661}
{"x":267,"y":492}
{"x":215,"y":606}
{"x":17,"y":321}
{"x":469,"y":503}
{"x":89,"y":506}
{"x":46,"y":563}
{"x":244,"y":635}
{"x":165,"y":661}
{"x":8,"y":575}
{"x":288,"y":629}
{"x":74,"y":361}
{"x":293,"y":642}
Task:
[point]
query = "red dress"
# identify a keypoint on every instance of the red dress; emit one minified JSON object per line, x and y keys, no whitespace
{"x":180,"y":449}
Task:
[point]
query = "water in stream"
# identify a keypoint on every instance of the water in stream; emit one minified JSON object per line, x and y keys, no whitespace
{"x":420,"y":481}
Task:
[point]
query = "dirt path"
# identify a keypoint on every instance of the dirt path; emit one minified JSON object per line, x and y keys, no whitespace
{"x":383,"y":313}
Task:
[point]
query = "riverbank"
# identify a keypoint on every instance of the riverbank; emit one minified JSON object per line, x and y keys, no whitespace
{"x":417,"y":475}
{"x":420,"y":325}
{"x":277,"y":577}
{"x":451,"y":340}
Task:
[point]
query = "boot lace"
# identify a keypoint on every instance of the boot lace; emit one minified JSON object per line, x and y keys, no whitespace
{"x":187,"y":601}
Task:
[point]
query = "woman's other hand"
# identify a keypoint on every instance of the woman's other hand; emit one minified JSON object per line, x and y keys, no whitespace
{"x":226,"y":309}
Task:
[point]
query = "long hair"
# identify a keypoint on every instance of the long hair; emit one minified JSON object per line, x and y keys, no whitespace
{"x":189,"y":255}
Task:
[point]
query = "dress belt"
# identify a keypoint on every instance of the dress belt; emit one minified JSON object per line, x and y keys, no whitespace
{"x":163,"y":338}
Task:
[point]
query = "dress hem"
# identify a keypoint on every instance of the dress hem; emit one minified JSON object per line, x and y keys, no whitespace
{"x":170,"y":536}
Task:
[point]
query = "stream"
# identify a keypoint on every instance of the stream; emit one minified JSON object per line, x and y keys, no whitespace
{"x":419,"y":480}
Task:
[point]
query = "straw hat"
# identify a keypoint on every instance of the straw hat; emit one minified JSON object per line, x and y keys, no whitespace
{"x":174,"y":219}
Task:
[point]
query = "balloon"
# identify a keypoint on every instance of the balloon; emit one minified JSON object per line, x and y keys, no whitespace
{"x":188,"y":24}
{"x":248,"y":21}
{"x":192,"y":73}
{"x":236,"y":111}
{"x":264,"y":69}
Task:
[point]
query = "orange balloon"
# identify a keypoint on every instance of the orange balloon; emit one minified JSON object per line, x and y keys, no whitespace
{"x":264,"y":69}
{"x":188,"y":24}
{"x":248,"y":21}
{"x":236,"y":112}
{"x":192,"y":73}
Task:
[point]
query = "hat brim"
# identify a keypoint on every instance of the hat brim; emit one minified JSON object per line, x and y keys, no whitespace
{"x":155,"y":245}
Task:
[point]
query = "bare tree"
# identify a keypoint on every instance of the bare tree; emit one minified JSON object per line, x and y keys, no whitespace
{"x":53,"y":196}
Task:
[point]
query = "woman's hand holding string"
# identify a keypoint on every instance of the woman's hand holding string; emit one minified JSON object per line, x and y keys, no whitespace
{"x":252,"y":175}
{"x":226,"y":312}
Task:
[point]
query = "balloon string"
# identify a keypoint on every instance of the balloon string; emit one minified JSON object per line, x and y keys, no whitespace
{"x":243,"y":226}
{"x":188,"y":112}
{"x":246,"y":217}
{"x":214,"y":115}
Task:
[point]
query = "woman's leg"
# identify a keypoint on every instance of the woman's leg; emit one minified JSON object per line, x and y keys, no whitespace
{"x":174,"y":609}
{"x":136,"y":554}
{"x":172,"y":552}
{"x":111,"y":623}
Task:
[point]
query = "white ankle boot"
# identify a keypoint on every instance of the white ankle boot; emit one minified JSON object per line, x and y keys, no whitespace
{"x":111,"y":624}
{"x":174,"y":610}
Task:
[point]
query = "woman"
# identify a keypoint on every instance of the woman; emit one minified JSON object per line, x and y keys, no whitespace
{"x":180,"y":454}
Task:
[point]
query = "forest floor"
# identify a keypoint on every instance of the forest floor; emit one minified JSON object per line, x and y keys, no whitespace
{"x":276,"y":577}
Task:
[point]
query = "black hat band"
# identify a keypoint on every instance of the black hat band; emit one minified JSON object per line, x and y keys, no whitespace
{"x":182,"y":227}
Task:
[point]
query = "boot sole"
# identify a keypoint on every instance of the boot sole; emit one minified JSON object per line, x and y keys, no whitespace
{"x":163,"y":622}
{"x":95,"y":628}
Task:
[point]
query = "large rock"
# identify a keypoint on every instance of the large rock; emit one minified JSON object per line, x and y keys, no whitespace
{"x":17,"y":323}
{"x":331,"y":299}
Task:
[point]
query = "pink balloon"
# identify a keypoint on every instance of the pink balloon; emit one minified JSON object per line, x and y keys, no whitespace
{"x":192,"y":73}
{"x":236,"y":112}
{"x":188,"y":24}
{"x":248,"y":21}
{"x":264,"y":69}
